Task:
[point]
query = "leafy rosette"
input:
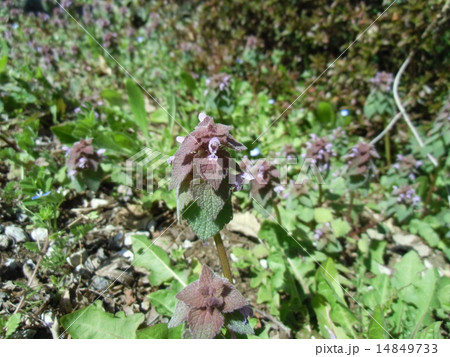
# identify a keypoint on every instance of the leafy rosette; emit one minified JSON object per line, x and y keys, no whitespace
{"x":83,"y":164}
{"x":265,"y":180}
{"x":204,"y":174}
{"x":211,"y":302}
{"x":360,"y":159}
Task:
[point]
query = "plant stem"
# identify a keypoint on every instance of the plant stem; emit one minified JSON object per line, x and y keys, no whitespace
{"x":277,"y":213}
{"x":350,"y":207}
{"x":223,"y":257}
{"x":319,"y":201}
{"x":387,"y":147}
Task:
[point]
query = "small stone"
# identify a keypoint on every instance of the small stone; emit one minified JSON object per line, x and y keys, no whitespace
{"x":5,"y":242}
{"x":127,"y":254}
{"x":187,"y":244}
{"x":98,"y":202}
{"x":99,"y":283}
{"x":77,"y":258}
{"x":128,"y":237}
{"x":11,"y":270}
{"x":16,"y":233}
{"x":39,"y":234}
{"x":117,"y":242}
{"x":84,"y":273}
{"x":101,"y":254}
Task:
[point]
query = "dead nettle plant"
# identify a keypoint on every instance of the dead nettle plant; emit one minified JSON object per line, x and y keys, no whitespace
{"x":83,"y":163}
{"x":204,"y":176}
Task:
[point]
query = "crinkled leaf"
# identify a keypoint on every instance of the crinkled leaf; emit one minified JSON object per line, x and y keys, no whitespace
{"x":237,"y":323}
{"x":180,"y":314}
{"x":205,"y":323}
{"x":201,"y":222}
{"x":208,"y":199}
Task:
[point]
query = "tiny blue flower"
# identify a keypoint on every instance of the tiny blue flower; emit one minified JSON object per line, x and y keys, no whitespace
{"x":15,"y":25}
{"x":271,"y":101}
{"x":39,"y":194}
{"x":238,"y":61}
{"x":140,"y":39}
{"x":345,"y":112}
{"x":255,"y":152}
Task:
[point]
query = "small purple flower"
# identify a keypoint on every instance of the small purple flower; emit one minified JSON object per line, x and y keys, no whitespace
{"x":213,"y":146}
{"x":77,"y":110}
{"x":278,"y":189}
{"x":318,"y":233}
{"x":140,"y":39}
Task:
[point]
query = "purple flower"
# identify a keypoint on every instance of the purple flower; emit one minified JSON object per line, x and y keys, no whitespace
{"x":203,"y":304}
{"x":83,"y":157}
{"x":207,"y":141}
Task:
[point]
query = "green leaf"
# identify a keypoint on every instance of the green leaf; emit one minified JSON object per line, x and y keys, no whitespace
{"x":377,"y":325}
{"x":340,"y":227}
{"x":381,"y":292}
{"x":201,"y":222}
{"x":160,"y":331}
{"x":113,"y":97}
{"x":3,"y":62}
{"x":443,"y":292}
{"x":325,"y":113}
{"x":432,"y":331}
{"x":327,"y":273}
{"x":422,"y":294}
{"x":93,"y":322}
{"x":137,"y":104}
{"x":65,"y":133}
{"x":326,"y":326}
{"x":156,"y":261}
{"x":208,"y":199}
{"x":323,"y":215}
{"x":407,"y":270}
{"x":344,"y":318}
{"x":12,"y":324}
{"x":32,"y":247}
{"x":164,"y":301}
{"x":235,"y":321}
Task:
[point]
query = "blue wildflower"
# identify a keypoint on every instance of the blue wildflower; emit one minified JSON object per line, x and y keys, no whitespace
{"x":39,"y":194}
{"x":271,"y":101}
{"x":345,"y":112}
{"x":255,"y":152}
